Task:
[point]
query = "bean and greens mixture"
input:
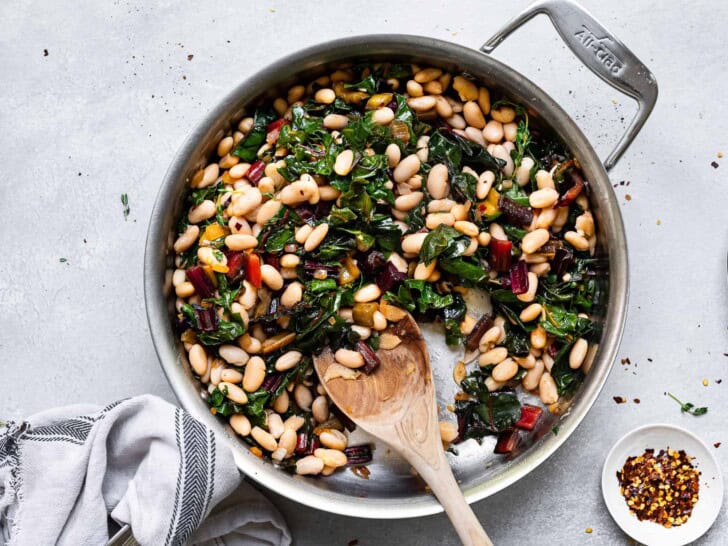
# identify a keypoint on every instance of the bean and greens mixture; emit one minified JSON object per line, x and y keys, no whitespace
{"x":370,"y":192}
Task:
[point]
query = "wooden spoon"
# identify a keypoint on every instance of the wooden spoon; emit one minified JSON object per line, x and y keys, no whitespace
{"x":396,"y":403}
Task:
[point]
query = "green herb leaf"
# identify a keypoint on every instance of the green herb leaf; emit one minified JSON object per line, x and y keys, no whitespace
{"x":125,"y":204}
{"x":689,"y":407}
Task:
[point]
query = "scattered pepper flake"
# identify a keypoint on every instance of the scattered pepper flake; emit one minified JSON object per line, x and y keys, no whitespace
{"x":662,"y":488}
{"x":619,"y":399}
{"x":719,"y":155}
{"x":190,"y":57}
{"x":659,"y":222}
{"x":628,"y":197}
{"x":716,"y":445}
{"x":63,"y":260}
{"x":714,"y":164}
{"x":637,"y":400}
{"x":589,"y":530}
{"x":705,"y":382}
{"x":45,"y":52}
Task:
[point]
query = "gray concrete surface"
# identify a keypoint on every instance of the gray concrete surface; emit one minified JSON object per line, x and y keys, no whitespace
{"x":123,"y":83}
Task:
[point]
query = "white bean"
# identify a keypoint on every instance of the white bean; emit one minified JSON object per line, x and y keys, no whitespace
{"x":309,"y":465}
{"x":534,"y":240}
{"x":532,"y":312}
{"x":254,"y":374}
{"x":333,"y":439}
{"x":493,"y":356}
{"x":198,"y":359}
{"x":383,"y":116}
{"x":234,"y":393}
{"x":320,"y":409}
{"x":578,"y":353}
{"x":335,"y":121}
{"x":406,"y":168}
{"x":533,"y":376}
{"x":437,"y":185}
{"x":408,"y":202}
{"x":265,"y":439}
{"x":348,"y":358}
{"x":240,"y":242}
{"x":367,"y":293}
{"x":275,"y":425}
{"x":505,"y":370}
{"x":545,"y":198}
{"x":303,"y":397}
{"x":271,"y":277}
{"x":240,"y":424}
{"x":473,"y":115}
{"x":205,"y":210}
{"x":547,"y":390}
{"x":288,"y":360}
{"x":344,"y":162}
{"x":412,"y":244}
{"x":292,"y":294}
{"x":331,"y":457}
{"x":393,"y":154}
{"x":187,"y":239}
{"x":233,"y":355}
{"x":316,"y":237}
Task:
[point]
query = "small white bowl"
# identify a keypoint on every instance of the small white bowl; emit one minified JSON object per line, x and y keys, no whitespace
{"x":662,"y":436}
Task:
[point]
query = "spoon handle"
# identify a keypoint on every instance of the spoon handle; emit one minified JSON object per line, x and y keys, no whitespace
{"x":439,"y":477}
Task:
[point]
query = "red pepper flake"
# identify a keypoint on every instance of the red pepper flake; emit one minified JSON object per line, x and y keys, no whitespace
{"x":190,"y":57}
{"x":353,"y":542}
{"x":628,"y":197}
{"x":619,"y":399}
{"x":719,"y":381}
{"x":45,"y":52}
{"x":637,"y":400}
{"x":716,"y":445}
{"x":662,"y":488}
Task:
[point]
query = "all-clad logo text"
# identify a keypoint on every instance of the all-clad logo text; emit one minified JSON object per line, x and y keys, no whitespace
{"x":599,"y":46}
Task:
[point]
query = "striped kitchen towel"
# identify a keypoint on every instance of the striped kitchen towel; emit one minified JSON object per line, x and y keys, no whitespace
{"x":142,"y":461}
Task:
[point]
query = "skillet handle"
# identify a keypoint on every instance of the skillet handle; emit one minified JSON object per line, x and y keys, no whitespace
{"x":601,"y":52}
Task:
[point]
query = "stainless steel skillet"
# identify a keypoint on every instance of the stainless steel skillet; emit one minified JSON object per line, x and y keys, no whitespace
{"x":392,"y":491}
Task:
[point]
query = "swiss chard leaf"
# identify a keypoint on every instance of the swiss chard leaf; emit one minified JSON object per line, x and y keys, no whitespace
{"x":222,"y":405}
{"x":457,"y":152}
{"x":490,"y":413}
{"x":463,"y":186}
{"x":443,"y":241}
{"x":564,"y":324}
{"x":566,"y":379}
{"x":368,"y":85}
{"x":255,"y":407}
{"x":452,"y":317}
{"x":226,"y":331}
{"x":247,"y":148}
{"x":418,"y":295}
{"x":464,"y":269}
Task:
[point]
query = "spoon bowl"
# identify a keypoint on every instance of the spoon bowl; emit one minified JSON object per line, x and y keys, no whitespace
{"x":396,"y":404}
